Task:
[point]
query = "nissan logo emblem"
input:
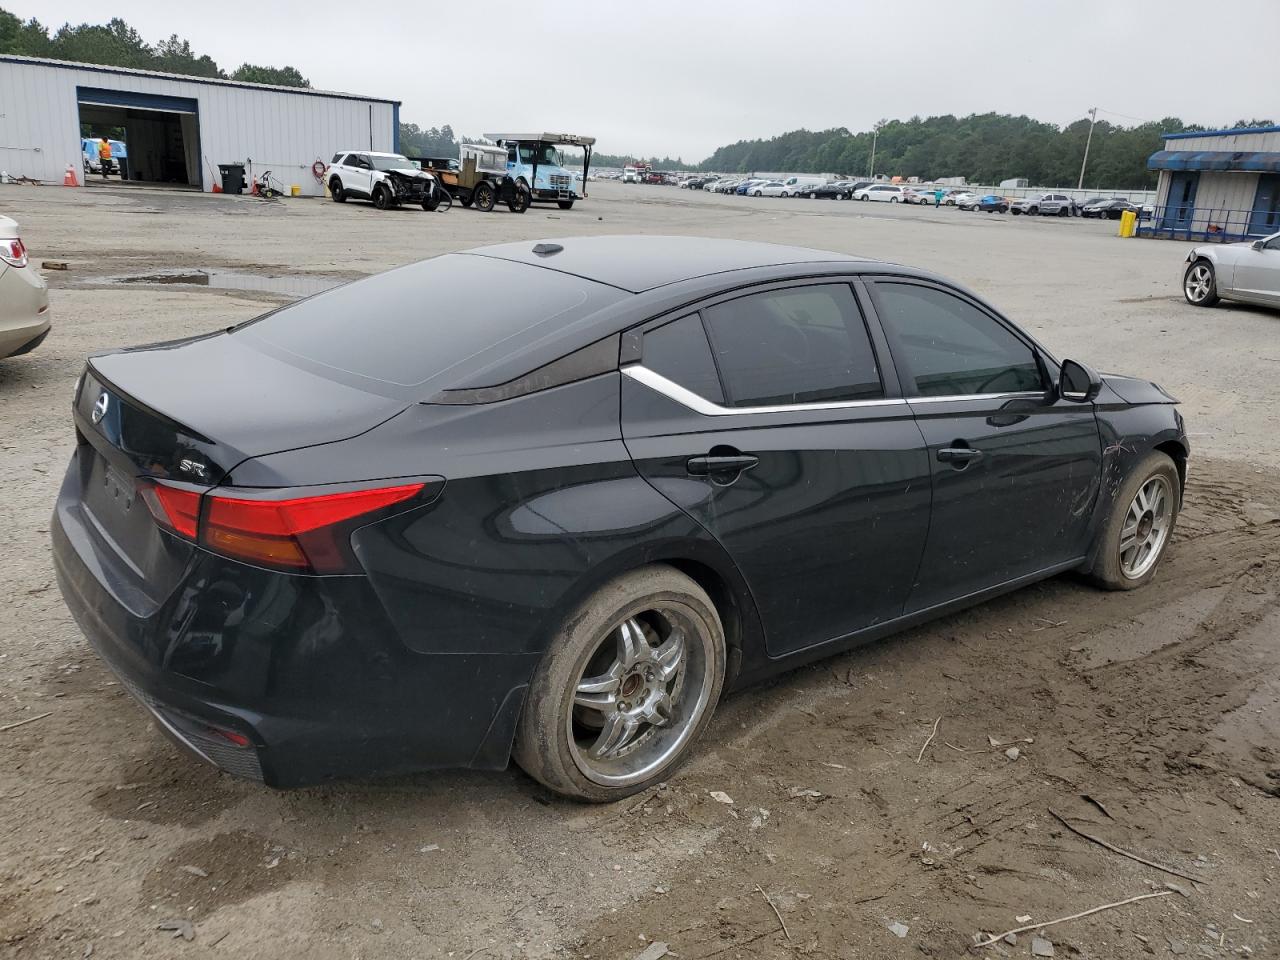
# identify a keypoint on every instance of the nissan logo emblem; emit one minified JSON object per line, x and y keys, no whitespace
{"x":100,"y":407}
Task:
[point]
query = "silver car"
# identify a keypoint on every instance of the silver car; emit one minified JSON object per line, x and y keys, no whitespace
{"x":1248,"y":271}
{"x":24,"y":299}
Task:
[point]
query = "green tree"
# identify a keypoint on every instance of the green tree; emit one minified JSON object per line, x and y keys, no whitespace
{"x":280,"y":76}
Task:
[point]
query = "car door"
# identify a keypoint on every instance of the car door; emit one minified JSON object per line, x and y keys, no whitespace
{"x":1257,"y":272}
{"x":769,"y":418}
{"x":361,"y":172}
{"x":1015,"y":469}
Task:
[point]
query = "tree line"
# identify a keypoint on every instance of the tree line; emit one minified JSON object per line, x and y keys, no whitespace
{"x":117,"y":44}
{"x":984,"y":148}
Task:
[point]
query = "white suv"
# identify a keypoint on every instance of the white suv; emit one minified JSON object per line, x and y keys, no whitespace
{"x":387,"y":179}
{"x":883,"y":192}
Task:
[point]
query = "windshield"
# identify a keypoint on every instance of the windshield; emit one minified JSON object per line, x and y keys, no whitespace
{"x":539,"y":153}
{"x":393,"y":163}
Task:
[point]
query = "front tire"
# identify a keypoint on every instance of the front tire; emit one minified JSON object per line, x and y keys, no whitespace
{"x":484,"y":197}
{"x":565,"y":204}
{"x":1133,"y":540}
{"x":1200,"y":284}
{"x":381,"y":197}
{"x":626,"y":688}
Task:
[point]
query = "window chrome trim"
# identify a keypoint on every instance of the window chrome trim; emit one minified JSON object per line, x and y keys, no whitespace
{"x":699,"y":404}
{"x":1023,"y":395}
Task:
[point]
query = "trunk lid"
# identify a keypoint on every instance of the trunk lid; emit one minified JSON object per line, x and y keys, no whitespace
{"x":189,"y":412}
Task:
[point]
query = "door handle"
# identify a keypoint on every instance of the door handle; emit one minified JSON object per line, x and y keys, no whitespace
{"x":959,"y":456}
{"x":715,"y":465}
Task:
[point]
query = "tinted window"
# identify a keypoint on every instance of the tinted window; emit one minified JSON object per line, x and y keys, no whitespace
{"x":950,"y":347}
{"x":337,"y":157}
{"x":680,"y":352}
{"x":404,"y":326}
{"x":802,"y":345}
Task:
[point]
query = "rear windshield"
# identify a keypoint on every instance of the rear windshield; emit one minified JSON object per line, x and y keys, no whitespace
{"x":393,"y":332}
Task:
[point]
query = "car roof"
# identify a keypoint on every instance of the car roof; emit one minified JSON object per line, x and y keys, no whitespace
{"x":640,"y":263}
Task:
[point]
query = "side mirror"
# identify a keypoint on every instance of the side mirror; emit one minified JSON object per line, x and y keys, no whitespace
{"x":1078,"y":383}
{"x":1258,"y":244}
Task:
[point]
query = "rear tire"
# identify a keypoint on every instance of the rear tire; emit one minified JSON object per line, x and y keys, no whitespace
{"x":1200,"y":284}
{"x":335,"y":190}
{"x":612,"y":710}
{"x":1137,"y":531}
{"x":565,"y":204}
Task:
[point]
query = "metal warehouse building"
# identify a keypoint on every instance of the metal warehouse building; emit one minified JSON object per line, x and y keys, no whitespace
{"x":179,"y":128}
{"x":1217,"y":185}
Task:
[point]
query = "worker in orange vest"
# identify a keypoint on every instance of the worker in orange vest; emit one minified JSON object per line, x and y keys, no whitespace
{"x":104,"y":156}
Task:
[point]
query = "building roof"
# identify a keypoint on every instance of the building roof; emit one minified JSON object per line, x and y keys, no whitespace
{"x":1219,"y":133}
{"x":186,"y":78}
{"x":1214,"y":160}
{"x":640,"y":263}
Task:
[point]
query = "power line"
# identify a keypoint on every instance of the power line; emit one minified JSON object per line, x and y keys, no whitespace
{"x":1124,"y":115}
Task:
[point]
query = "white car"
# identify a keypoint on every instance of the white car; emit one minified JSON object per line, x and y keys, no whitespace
{"x":881,"y":192}
{"x":24,"y":297}
{"x":795,"y":186}
{"x":770,"y":188}
{"x":1248,"y":271}
{"x":965,"y":201}
{"x":385,"y":179}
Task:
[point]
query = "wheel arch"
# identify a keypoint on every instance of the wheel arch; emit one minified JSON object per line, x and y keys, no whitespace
{"x":1176,"y":451}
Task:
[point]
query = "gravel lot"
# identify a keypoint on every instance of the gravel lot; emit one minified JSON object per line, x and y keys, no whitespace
{"x":1148,"y":719}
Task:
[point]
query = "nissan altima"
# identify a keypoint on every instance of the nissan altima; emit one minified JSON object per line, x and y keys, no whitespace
{"x":551,"y":500}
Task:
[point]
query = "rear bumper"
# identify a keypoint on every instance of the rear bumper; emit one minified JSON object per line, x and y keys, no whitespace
{"x":283,"y":679}
{"x":24,"y":310}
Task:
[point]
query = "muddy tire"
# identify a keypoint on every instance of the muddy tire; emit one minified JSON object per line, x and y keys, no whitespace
{"x":626,"y":688}
{"x":1136,"y":534}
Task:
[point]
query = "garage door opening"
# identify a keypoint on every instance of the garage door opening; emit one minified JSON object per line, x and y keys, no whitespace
{"x":155,"y":139}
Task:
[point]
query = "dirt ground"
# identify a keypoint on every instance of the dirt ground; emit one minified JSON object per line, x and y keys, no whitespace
{"x":1150,"y":719}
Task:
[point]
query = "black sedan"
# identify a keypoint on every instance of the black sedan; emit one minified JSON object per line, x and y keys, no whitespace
{"x":1107,"y":209}
{"x":553,"y":500}
{"x":829,"y":191}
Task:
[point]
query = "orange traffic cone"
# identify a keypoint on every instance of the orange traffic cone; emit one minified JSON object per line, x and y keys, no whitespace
{"x":69,"y":178}
{"x":217,"y":188}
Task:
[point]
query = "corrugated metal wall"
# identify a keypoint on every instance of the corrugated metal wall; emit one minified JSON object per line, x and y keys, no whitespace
{"x":1226,"y":191}
{"x":283,"y":131}
{"x":1246,"y":142}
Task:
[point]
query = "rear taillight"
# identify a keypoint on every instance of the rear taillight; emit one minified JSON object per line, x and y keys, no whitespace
{"x":13,"y":252}
{"x":301,"y":534}
{"x":175,"y":508}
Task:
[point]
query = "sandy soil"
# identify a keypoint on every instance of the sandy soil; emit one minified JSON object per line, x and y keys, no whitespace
{"x":1148,"y":719}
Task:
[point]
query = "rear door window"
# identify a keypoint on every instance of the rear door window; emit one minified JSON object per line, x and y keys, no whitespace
{"x":798,"y":345}
{"x":949,"y":347}
{"x":679,"y":351}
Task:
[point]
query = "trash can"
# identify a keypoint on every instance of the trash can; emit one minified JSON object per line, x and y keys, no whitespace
{"x":232,"y":177}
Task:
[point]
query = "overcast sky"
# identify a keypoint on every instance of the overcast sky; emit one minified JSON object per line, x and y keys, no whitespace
{"x":683,"y":78}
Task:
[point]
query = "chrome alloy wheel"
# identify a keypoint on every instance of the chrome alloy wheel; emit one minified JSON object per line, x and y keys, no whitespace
{"x":1146,"y":527}
{"x":639,"y":696}
{"x":1198,"y":283}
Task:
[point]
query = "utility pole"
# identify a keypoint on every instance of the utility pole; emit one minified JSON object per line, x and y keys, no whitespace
{"x":875,"y":135}
{"x":1093,"y":118}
